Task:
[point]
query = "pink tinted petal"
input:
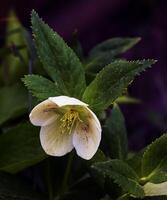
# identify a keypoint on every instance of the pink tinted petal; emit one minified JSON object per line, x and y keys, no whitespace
{"x":86,"y":138}
{"x":44,"y":113}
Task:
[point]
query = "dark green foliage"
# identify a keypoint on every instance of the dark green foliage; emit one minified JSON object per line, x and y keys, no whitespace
{"x":59,"y":60}
{"x":122,"y":174}
{"x":20,"y":148}
{"x":135,"y":162}
{"x":114,"y":46}
{"x":13,"y":102}
{"x":111,"y":173}
{"x":105,"y":52}
{"x":15,"y":56}
{"x":111,"y":82}
{"x":115,"y":134}
{"x":41,"y":87}
{"x":154,"y":162}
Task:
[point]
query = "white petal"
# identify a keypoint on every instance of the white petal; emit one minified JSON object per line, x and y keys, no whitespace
{"x":64,"y":100}
{"x":54,"y":142}
{"x":86,"y":138}
{"x":44,"y":113}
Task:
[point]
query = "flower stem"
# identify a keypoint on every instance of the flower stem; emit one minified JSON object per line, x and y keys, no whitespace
{"x":67,"y":173}
{"x":49,"y":179}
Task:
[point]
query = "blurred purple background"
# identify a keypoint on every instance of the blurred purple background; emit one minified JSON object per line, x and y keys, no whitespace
{"x":97,"y":20}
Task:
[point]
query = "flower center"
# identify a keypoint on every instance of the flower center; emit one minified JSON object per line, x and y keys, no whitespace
{"x":68,"y":121}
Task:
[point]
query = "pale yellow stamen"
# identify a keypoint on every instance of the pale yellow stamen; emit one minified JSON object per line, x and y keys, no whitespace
{"x":68,"y":120}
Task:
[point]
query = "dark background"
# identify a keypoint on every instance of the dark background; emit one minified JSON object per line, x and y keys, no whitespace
{"x":97,"y":20}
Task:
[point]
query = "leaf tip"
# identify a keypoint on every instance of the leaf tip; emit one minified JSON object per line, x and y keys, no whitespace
{"x":137,"y":39}
{"x":34,"y":13}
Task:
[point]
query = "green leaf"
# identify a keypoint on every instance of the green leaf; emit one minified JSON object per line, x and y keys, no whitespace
{"x":112,"y":81}
{"x":92,"y":67}
{"x":122,"y":174}
{"x":13,"y":102}
{"x":115,"y":134}
{"x":14,"y":64}
{"x":154,"y":162}
{"x":114,"y":46}
{"x":152,"y":189}
{"x":41,"y":87}
{"x":58,"y":59}
{"x":12,"y":188}
{"x":76,"y":45}
{"x":135,"y":162}
{"x":20,"y":148}
{"x":105,"y":52}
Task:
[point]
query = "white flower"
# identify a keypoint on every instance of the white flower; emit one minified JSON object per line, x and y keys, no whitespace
{"x":67,"y":123}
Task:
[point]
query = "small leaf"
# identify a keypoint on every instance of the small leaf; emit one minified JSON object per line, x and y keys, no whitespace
{"x":12,"y":188}
{"x":122,"y":174}
{"x":13,"y":102}
{"x":114,"y":46}
{"x":154,"y":162}
{"x":111,"y":82}
{"x":58,"y":59}
{"x":20,"y":148}
{"x":41,"y":87}
{"x":115,"y":134}
{"x":152,"y":189}
{"x":127,"y":100}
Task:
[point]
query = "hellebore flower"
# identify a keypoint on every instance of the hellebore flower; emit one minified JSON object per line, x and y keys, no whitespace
{"x":67,"y":123}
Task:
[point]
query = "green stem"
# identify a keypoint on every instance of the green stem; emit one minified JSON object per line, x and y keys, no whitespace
{"x":67,"y":173}
{"x":123,"y":197}
{"x":64,"y":186}
{"x":49,"y":180}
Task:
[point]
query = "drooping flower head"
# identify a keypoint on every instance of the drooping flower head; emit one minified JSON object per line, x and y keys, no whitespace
{"x":67,"y":123}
